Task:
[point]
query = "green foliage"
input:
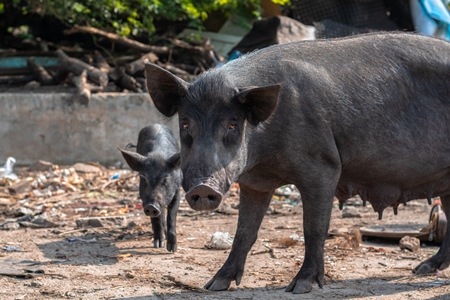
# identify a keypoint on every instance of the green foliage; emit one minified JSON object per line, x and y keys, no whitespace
{"x":133,"y":17}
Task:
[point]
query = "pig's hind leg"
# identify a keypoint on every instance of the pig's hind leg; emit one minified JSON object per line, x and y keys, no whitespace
{"x":441,"y":260}
{"x":171,"y":222}
{"x":158,"y":226}
{"x":252,"y":208}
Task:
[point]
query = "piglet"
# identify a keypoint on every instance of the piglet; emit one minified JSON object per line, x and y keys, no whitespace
{"x":157,"y":159}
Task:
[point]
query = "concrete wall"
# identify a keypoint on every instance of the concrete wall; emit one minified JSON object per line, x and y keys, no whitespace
{"x":50,"y":127}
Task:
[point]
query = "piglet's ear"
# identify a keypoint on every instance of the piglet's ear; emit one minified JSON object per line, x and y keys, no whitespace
{"x":133,"y":159}
{"x":164,"y":88}
{"x":174,"y":161}
{"x":259,"y":102}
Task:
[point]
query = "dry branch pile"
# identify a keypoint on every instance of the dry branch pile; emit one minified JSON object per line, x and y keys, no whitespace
{"x":110,"y":71}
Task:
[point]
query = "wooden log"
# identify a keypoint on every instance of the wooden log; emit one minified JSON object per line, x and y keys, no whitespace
{"x":139,"y":64}
{"x":77,"y":66}
{"x":101,"y":63}
{"x":173,"y":69}
{"x":194,"y":70}
{"x":115,"y":74}
{"x":40,"y":72}
{"x":123,"y":80}
{"x":83,"y":95}
{"x":130,"y":83}
{"x":119,"y":39}
{"x":16,"y":79}
{"x":143,"y":82}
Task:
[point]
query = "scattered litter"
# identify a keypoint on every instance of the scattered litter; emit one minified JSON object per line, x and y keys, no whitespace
{"x":373,"y":249}
{"x":6,"y":172}
{"x":220,"y":241}
{"x":115,"y":176}
{"x":410,"y":243}
{"x":124,"y":255}
{"x":38,"y":222}
{"x":437,"y":223}
{"x":15,"y":273}
{"x":290,"y":241}
{"x":11,"y":248}
{"x":287,"y":190}
{"x":345,"y":238}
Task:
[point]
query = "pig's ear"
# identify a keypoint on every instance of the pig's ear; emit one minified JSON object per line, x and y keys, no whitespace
{"x":174,"y":161}
{"x":259,"y":102}
{"x":164,"y":88}
{"x":133,"y":159}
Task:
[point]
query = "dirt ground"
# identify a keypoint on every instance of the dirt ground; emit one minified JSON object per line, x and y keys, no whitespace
{"x":119,"y":262}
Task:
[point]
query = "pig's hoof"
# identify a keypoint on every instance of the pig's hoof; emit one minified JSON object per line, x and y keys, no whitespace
{"x":429,"y":266}
{"x":171,"y":247}
{"x":218,"y":284}
{"x":299,"y":287}
{"x":158,"y":244}
{"x":171,"y":242}
{"x":423,"y":269}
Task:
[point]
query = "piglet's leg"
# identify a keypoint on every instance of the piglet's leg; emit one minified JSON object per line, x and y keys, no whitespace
{"x":158,"y":226}
{"x":441,"y":259}
{"x":171,"y":223}
{"x":253,"y":205}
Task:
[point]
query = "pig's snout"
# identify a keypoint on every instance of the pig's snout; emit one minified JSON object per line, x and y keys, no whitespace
{"x":152,"y":210}
{"x":203,"y":197}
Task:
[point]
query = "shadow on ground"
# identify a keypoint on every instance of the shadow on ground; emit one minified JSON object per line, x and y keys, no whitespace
{"x":95,"y":246}
{"x":379,"y":287}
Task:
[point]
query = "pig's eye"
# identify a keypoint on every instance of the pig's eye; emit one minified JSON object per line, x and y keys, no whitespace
{"x":232,"y":127}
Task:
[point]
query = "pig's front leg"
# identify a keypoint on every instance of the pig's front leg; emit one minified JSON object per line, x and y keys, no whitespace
{"x":317,"y":199}
{"x":171,"y":223}
{"x":441,"y":259}
{"x":158,"y":226}
{"x":252,"y":208}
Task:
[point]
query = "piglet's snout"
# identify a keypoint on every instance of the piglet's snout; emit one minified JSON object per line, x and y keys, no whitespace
{"x":203,"y":197}
{"x":152,"y":210}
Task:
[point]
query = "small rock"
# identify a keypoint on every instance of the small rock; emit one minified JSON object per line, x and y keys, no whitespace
{"x":10,"y":226}
{"x":35,"y":284}
{"x":41,"y":166}
{"x":100,"y":221}
{"x":22,"y":186}
{"x":131,"y":225}
{"x":410,"y":243}
{"x":351,"y":215}
{"x":70,"y":295}
{"x":86,"y":168}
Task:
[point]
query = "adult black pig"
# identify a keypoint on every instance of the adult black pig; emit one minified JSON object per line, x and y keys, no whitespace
{"x":367,"y":115}
{"x":157,"y":159}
